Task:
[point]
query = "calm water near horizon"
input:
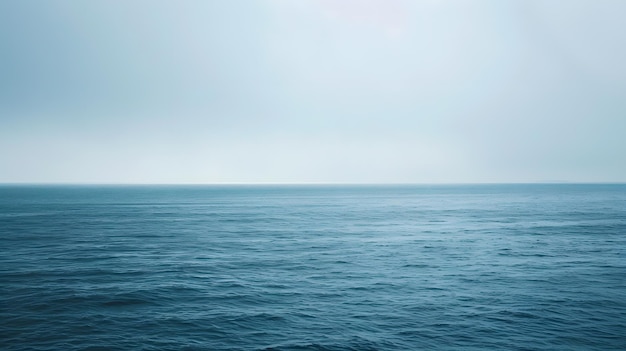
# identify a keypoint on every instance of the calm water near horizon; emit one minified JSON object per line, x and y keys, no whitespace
{"x":444,"y":267}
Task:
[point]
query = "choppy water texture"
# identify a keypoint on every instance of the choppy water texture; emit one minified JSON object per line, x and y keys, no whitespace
{"x":507,"y":267}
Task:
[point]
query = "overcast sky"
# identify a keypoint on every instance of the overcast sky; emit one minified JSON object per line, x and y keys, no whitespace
{"x":298,"y":91}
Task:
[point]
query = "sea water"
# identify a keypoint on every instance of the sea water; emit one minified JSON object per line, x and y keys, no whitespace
{"x":468,"y":267}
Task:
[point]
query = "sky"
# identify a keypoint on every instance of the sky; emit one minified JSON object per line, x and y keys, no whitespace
{"x":312,"y":91}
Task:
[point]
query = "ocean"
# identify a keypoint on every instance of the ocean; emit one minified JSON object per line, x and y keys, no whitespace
{"x":410,"y":267}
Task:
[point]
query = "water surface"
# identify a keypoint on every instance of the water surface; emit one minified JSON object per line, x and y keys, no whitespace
{"x":509,"y":267}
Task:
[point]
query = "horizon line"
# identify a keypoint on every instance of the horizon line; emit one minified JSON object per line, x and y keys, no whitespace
{"x":309,"y":183}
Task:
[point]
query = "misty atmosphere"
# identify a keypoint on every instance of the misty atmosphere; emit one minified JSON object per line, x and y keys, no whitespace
{"x":312,"y":91}
{"x":323,"y":175}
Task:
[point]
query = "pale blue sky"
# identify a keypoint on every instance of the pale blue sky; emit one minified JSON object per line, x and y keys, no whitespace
{"x":284,"y":91}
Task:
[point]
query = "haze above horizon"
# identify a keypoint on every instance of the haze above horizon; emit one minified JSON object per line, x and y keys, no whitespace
{"x":312,"y":91}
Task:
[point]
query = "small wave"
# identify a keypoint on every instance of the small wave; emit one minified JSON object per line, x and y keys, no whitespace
{"x":413,"y":265}
{"x":124,"y":302}
{"x":297,"y":347}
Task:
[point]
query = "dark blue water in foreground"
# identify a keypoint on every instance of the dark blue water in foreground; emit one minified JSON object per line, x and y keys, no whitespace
{"x":500,"y":267}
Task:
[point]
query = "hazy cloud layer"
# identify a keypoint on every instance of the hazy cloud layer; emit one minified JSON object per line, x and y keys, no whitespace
{"x":312,"y":91}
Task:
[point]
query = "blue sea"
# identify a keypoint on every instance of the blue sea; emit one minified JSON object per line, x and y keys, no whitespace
{"x":411,"y":267}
